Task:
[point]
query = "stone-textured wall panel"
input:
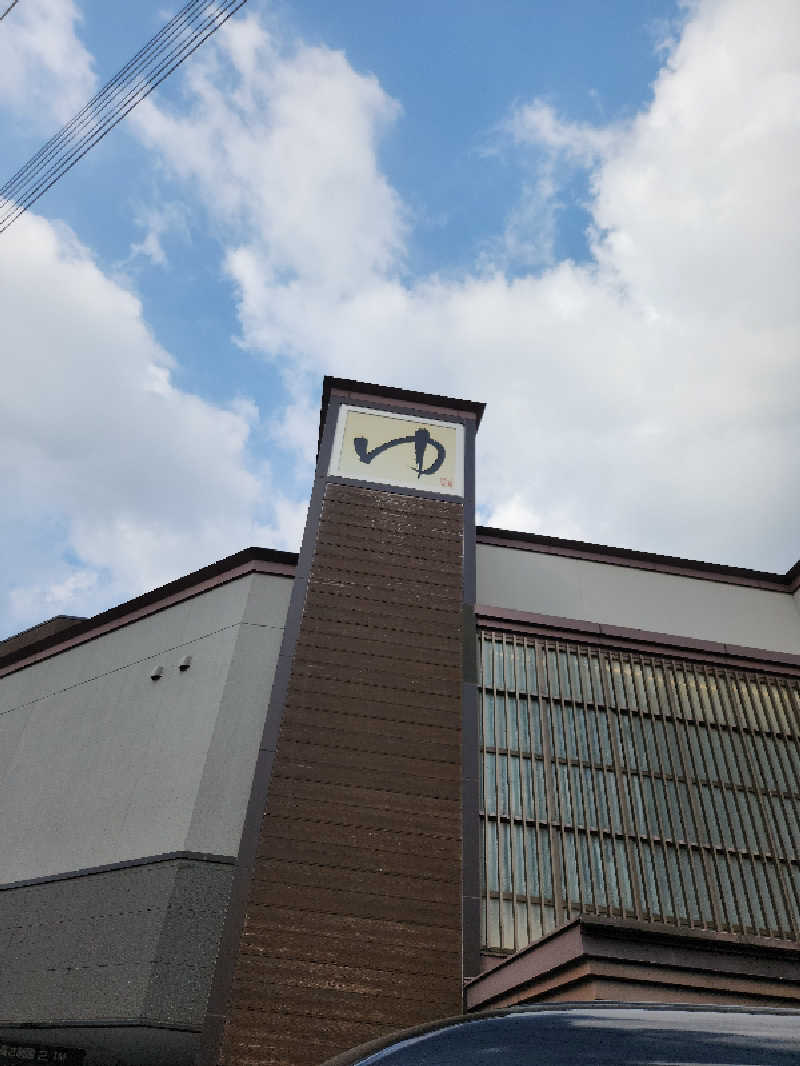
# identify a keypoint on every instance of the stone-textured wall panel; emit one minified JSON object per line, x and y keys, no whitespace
{"x":133,"y":945}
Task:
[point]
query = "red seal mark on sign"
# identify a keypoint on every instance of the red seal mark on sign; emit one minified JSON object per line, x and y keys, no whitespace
{"x":445,"y":482}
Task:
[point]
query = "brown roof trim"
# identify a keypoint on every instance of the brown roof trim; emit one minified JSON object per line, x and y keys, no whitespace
{"x":643,"y":640}
{"x":247,"y":561}
{"x":793,"y":577}
{"x":640,"y":560}
{"x":40,"y":631}
{"x":405,"y":397}
{"x":270,"y":560}
{"x":629,"y":944}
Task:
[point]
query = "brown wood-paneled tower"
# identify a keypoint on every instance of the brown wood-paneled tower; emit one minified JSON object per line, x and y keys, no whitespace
{"x":356,"y":906}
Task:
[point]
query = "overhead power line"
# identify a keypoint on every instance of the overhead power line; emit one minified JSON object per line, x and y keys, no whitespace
{"x":175,"y":42}
{"x":101,"y":106}
{"x":10,"y":6}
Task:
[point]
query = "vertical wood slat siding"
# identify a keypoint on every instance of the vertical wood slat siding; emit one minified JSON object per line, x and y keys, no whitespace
{"x":353,"y":920}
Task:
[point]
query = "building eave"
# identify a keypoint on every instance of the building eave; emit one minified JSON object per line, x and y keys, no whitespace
{"x":248,"y":561}
{"x":640,"y":560}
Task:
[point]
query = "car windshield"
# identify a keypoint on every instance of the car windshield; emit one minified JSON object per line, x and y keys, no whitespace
{"x":604,"y":1037}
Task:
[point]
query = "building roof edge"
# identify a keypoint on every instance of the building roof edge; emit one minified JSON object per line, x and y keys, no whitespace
{"x":283,"y":563}
{"x":640,"y":560}
{"x":280,"y":563}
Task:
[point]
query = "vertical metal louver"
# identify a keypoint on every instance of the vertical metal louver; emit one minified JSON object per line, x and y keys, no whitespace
{"x":635,"y":786}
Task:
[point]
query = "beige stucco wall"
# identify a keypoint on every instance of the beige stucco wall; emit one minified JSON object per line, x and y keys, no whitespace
{"x":100,"y":764}
{"x":639,"y":599}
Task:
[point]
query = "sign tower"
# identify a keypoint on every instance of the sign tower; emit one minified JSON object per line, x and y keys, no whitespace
{"x":356,"y":906}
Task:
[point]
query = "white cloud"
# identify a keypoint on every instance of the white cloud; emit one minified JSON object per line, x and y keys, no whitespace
{"x":538,"y":123}
{"x":46,"y":74}
{"x":158,"y":222}
{"x":647,"y":398}
{"x":516,"y":513}
{"x":44,"y":600}
{"x":285,"y":144}
{"x":698,"y":208}
{"x":134,"y":480}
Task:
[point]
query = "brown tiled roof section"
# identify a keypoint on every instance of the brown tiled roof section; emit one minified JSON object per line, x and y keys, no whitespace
{"x":43,"y":631}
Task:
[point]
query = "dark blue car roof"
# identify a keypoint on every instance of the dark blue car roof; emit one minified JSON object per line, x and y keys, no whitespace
{"x":595,"y":1035}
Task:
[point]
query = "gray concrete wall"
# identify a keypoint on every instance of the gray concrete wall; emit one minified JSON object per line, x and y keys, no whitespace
{"x":638,"y":599}
{"x":100,"y":764}
{"x":224,"y":787}
{"x":136,"y":943}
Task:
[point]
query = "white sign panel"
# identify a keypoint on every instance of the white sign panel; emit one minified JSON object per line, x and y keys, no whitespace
{"x":402,"y":450}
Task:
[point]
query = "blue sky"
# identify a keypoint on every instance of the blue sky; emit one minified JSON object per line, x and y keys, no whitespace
{"x":582,"y":214}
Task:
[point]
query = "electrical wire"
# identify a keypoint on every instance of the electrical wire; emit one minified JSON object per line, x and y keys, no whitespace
{"x":101,"y":98}
{"x":94,"y":120}
{"x":138,"y":78}
{"x":175,"y":42}
{"x":13,"y":4}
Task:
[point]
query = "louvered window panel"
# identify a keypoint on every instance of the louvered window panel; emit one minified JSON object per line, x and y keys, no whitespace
{"x":635,"y":786}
